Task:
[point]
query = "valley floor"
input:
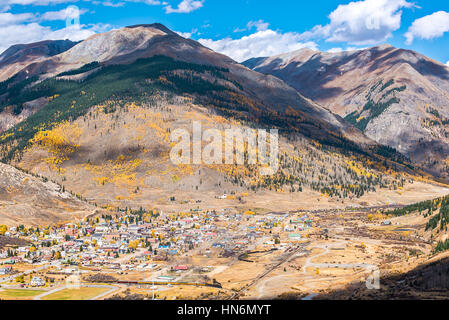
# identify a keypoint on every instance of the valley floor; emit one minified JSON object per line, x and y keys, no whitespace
{"x":303,"y":254}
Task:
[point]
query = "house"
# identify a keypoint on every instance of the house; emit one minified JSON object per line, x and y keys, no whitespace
{"x":112,"y":237}
{"x":22,"y":249}
{"x":72,"y":232}
{"x":97,"y":236}
{"x":181,"y":268}
{"x":6,"y":270}
{"x":173,"y":252}
{"x":294,"y":236}
{"x":123,"y":249}
{"x":134,"y":229}
{"x":37,"y":282}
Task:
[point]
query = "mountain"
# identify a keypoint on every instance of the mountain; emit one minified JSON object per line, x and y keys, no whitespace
{"x":15,"y":59}
{"x":30,"y":200}
{"x":19,"y":56}
{"x":107,"y":106}
{"x":397,"y":97}
{"x":128,"y":45}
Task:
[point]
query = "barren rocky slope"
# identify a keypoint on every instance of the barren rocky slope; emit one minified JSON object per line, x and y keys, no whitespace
{"x":17,"y":57}
{"x":109,"y":104}
{"x":129,"y":44}
{"x":25,"y":199}
{"x":397,"y":97}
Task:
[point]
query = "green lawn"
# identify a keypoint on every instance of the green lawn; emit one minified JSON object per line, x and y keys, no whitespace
{"x":75,"y":294}
{"x":19,"y":294}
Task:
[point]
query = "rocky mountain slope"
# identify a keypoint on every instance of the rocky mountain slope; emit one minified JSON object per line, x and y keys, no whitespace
{"x":108,"y":105}
{"x":397,"y":97}
{"x":17,"y":57}
{"x":129,"y":44}
{"x":26,"y":199}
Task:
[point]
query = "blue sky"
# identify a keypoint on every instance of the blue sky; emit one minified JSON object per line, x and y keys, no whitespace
{"x":243,"y":28}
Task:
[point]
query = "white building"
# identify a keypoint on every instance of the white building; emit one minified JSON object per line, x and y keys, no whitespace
{"x":37,"y":282}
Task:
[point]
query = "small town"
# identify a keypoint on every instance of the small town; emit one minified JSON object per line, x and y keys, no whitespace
{"x":137,"y":248}
{"x":223,"y":158}
{"x":205,"y":254}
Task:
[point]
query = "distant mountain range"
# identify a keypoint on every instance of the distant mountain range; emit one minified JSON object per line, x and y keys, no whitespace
{"x":397,"y":97}
{"x":127,"y":45}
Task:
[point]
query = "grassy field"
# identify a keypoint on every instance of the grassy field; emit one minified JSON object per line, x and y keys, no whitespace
{"x":19,"y":294}
{"x":75,"y":294}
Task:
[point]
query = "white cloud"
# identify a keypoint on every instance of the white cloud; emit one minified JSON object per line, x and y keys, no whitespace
{"x":23,"y":28}
{"x":34,"y":32}
{"x":186,"y":35}
{"x":5,"y":5}
{"x":338,"y":50}
{"x":7,"y":18}
{"x":185,"y":6}
{"x":362,"y":22}
{"x":428,"y":27}
{"x":35,"y":2}
{"x":260,"y":25}
{"x":11,"y":34}
{"x":149,"y":2}
{"x":73,"y":33}
{"x":447,"y":63}
{"x":335,"y":50}
{"x":262,"y":43}
{"x":109,"y":3}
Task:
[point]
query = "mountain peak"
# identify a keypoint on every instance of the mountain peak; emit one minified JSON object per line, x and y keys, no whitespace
{"x":158,"y":26}
{"x":397,"y":97}
{"x":383,"y":46}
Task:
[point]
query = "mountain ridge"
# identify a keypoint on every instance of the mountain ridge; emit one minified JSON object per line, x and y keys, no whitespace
{"x":397,"y":97}
{"x":126,"y":45}
{"x":17,"y":57}
{"x":109,"y":103}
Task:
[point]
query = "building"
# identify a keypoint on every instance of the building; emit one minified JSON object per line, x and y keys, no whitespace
{"x":181,"y":268}
{"x":294,"y":236}
{"x":6,"y":270}
{"x":37,"y":282}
